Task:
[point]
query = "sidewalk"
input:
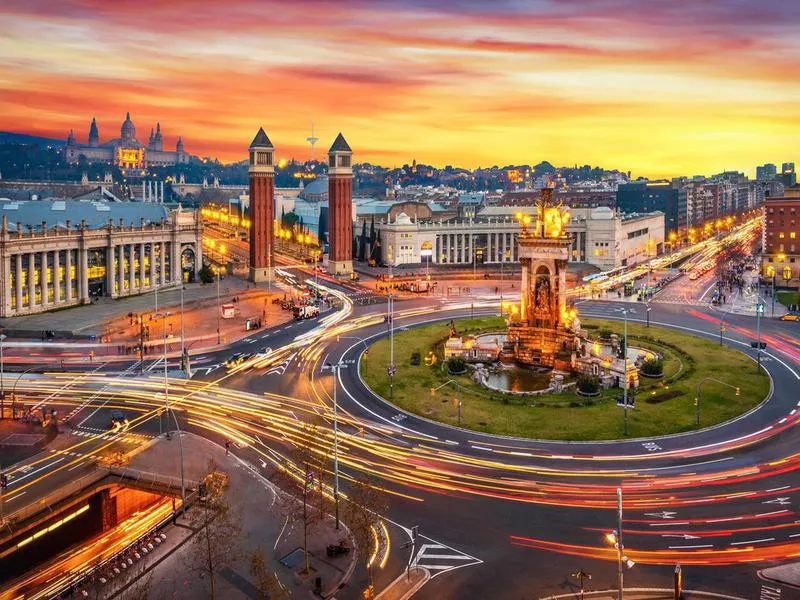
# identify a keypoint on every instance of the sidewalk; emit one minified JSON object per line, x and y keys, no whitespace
{"x":784,"y":574}
{"x":744,"y":302}
{"x":255,"y":501}
{"x":116,"y":321}
{"x":89,"y":319}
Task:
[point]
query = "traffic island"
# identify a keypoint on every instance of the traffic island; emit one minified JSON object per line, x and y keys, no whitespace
{"x":660,"y":406}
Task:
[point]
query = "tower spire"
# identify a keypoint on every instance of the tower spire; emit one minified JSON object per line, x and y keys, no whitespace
{"x":312,"y":139}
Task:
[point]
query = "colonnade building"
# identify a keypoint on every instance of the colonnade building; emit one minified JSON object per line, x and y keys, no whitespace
{"x":599,"y":236}
{"x":49,"y":261}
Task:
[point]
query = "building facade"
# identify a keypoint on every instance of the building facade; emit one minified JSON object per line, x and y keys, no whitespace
{"x":117,"y":250}
{"x":126,"y":152}
{"x":644,"y":197}
{"x":780,"y":258}
{"x":598,"y":236}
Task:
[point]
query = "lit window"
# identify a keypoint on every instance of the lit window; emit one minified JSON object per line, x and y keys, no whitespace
{"x":780,"y":235}
{"x":792,"y":235}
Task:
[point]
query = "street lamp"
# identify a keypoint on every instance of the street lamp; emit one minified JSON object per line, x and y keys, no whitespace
{"x":697,"y":394}
{"x":625,"y":312}
{"x":334,"y":368}
{"x":615,"y":539}
{"x":183,"y":347}
{"x":218,"y":309}
{"x":166,"y":315}
{"x":2,"y":388}
{"x":582,"y":575}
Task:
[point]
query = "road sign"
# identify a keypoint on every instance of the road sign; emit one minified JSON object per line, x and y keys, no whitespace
{"x":760,"y":308}
{"x":763,"y":345}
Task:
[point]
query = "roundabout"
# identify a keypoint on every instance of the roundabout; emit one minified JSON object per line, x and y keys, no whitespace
{"x":664,"y":405}
{"x":527,"y":512}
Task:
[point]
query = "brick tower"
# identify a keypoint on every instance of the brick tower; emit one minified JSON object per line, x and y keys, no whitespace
{"x":262,"y":206}
{"x":340,"y":208}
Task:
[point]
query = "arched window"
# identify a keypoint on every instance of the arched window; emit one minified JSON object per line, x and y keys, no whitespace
{"x":787,"y":273}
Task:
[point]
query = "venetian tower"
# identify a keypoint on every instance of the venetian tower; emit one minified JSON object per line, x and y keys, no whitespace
{"x":340,"y":208}
{"x":262,"y":206}
{"x":543,"y":334}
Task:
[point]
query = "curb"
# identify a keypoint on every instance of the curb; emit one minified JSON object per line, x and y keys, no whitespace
{"x":669,"y":592}
{"x":426,"y":575}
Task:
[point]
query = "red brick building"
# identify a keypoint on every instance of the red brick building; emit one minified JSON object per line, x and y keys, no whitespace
{"x":780,"y":257}
{"x":340,"y":207}
{"x":262,"y":206}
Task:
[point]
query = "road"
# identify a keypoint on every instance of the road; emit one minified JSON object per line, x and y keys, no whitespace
{"x":499,"y":517}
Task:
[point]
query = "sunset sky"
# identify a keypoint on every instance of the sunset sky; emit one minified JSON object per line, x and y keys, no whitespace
{"x":661,"y":87}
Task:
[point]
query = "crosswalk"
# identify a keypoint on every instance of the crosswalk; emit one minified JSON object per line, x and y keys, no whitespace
{"x":438,"y":558}
{"x":769,"y":592}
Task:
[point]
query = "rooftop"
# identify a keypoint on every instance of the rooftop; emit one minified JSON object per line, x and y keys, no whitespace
{"x":96,"y":214}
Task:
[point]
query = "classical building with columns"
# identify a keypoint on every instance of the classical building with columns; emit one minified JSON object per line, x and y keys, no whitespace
{"x":599,"y":236}
{"x":49,"y":261}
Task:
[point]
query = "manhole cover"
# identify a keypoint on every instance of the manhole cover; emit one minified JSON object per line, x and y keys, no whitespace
{"x":295,"y":558}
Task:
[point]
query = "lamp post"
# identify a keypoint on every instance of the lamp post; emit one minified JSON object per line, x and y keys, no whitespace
{"x":582,"y":575}
{"x":721,"y":330}
{"x":2,"y":387}
{"x":759,"y":310}
{"x":647,"y":309}
{"x":625,"y":312}
{"x":183,"y":347}
{"x":615,"y":538}
{"x":218,"y":311}
{"x":335,"y":370}
{"x":697,"y":394}
{"x":392,"y":368}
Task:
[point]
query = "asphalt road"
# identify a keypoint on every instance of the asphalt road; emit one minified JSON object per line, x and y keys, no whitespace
{"x":507,"y":518}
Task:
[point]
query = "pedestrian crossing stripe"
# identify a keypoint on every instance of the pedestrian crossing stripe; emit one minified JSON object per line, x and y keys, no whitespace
{"x":439,"y":558}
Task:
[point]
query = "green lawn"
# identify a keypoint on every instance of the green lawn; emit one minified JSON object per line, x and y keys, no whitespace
{"x":567,"y":416}
{"x":788,"y":298}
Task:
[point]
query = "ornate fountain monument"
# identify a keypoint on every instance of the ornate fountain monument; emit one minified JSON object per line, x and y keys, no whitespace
{"x":545,"y":332}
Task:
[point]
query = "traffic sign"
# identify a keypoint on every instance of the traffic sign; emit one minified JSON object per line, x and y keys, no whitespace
{"x":391,"y":370}
{"x":760,"y":308}
{"x":757,"y":344}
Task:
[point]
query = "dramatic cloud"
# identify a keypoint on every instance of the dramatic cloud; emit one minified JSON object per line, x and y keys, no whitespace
{"x":662,"y":88}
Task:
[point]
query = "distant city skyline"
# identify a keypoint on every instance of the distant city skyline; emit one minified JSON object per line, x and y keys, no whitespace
{"x":681,"y":88}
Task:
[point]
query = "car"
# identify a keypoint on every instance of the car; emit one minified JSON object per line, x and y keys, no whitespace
{"x":118,"y":420}
{"x":234,"y":360}
{"x":791,"y":316}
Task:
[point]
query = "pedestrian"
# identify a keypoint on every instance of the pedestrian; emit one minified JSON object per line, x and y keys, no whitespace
{"x":227,"y":447}
{"x":174,"y":513}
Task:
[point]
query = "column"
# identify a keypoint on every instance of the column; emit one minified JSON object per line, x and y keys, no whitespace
{"x":131,"y":269}
{"x":121,"y":266}
{"x":6,"y":283}
{"x":82,"y":274}
{"x":152,"y":264}
{"x":68,"y":275}
{"x":489,"y":247}
{"x":141,"y":266}
{"x":45,"y":286}
{"x":176,"y":268}
{"x":56,"y":276}
{"x":18,"y":281}
{"x":445,"y":247}
{"x":110,"y":273}
{"x":162,"y":268}
{"x":31,"y":280}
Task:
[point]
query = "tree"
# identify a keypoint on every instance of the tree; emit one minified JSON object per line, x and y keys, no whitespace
{"x":215,"y":545}
{"x":267,"y":583}
{"x":362,"y":250}
{"x":372,"y":231}
{"x":206,"y":274}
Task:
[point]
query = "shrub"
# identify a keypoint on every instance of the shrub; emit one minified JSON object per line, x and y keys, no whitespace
{"x":605,"y":333}
{"x":456,"y":365}
{"x":206,"y":274}
{"x":416,"y":359}
{"x":653,"y":367}
{"x":588,"y":384}
{"x":664,"y":396}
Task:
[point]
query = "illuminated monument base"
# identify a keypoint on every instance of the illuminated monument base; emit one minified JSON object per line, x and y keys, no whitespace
{"x":545,"y":332}
{"x":258,"y":275}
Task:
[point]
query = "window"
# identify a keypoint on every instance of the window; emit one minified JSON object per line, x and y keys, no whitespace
{"x":792,"y":235}
{"x":781,"y":235}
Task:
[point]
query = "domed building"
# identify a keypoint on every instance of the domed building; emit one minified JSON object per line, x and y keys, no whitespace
{"x":126,"y":152}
